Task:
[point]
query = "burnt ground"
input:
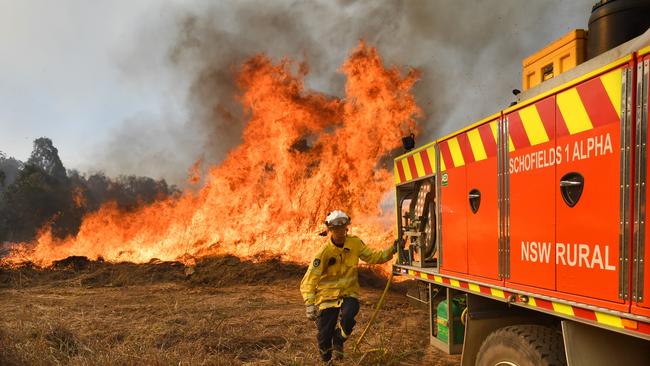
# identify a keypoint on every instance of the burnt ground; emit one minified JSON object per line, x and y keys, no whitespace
{"x":223,"y":311}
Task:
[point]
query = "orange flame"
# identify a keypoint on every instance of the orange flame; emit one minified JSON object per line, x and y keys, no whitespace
{"x":78,"y":197}
{"x":303,"y":154}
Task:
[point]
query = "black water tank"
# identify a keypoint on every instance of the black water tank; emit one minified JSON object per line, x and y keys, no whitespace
{"x":613,"y":22}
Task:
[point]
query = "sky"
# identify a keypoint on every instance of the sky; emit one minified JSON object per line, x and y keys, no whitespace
{"x":130,"y":87}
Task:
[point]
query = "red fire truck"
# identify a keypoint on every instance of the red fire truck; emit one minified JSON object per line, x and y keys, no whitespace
{"x":526,"y":231}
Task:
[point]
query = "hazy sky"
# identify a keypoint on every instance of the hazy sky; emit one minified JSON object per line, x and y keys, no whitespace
{"x":117,"y":87}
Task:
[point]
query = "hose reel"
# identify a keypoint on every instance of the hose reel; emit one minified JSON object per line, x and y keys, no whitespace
{"x":422,"y":229}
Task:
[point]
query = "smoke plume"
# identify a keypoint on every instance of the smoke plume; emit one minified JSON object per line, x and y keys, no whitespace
{"x":469,"y":54}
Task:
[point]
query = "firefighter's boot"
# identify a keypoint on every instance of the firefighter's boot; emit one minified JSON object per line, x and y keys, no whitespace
{"x":339,"y":338}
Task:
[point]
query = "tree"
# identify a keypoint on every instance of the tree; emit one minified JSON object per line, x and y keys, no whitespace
{"x":40,"y":194}
{"x":46,"y":157}
{"x":34,"y":200}
{"x":9,"y":169}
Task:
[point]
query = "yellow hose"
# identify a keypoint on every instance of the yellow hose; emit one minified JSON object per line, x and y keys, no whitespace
{"x":374,"y":315}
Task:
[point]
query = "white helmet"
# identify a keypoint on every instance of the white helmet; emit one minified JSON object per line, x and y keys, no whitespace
{"x":337,"y":218}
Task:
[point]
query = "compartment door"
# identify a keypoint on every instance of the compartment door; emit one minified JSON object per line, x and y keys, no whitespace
{"x":453,"y":204}
{"x":588,"y":188}
{"x":532,"y":156}
{"x":481,"y":202}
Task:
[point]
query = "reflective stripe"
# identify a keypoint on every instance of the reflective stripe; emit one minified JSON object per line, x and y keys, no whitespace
{"x":573,"y":111}
{"x":340,"y":328}
{"x":456,"y":154}
{"x":563,"y":309}
{"x":611,"y":320}
{"x":559,"y":308}
{"x":497,"y":293}
{"x":533,"y":125}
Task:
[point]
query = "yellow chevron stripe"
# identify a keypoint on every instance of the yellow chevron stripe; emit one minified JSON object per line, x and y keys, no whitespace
{"x":437,"y":279}
{"x":511,"y":146}
{"x":497,"y":293}
{"x":644,"y":50}
{"x":494,"y":126}
{"x":533,"y":125}
{"x":612,"y":82}
{"x":456,"y":154}
{"x":442,"y":164}
{"x":610,"y":320}
{"x":474,"y":287}
{"x":454,"y":283}
{"x":532,"y":302}
{"x":563,"y":309}
{"x":573,"y":111}
{"x":407,"y":170}
{"x":397,"y":180}
{"x":419,"y":166}
{"x":424,"y":275}
{"x":476,"y":144}
{"x":411,"y":272}
{"x":431,"y":152}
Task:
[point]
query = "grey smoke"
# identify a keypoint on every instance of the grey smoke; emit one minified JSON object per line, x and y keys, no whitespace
{"x":469,"y":52}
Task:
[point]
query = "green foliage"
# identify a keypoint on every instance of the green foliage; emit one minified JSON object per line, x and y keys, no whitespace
{"x":46,"y":157}
{"x":33,"y":200}
{"x":43,"y":195}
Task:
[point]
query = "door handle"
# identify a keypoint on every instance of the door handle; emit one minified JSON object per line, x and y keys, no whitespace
{"x":474,"y":200}
{"x":570,"y":183}
{"x":571,"y":187}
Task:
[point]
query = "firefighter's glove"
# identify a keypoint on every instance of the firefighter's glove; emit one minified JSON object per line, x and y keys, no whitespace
{"x":398,"y":244}
{"x":312,"y":312}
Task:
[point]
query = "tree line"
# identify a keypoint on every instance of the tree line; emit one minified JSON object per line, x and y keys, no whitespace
{"x":42,"y":192}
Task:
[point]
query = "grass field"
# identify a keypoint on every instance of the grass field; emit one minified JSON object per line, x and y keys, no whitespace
{"x":227,"y":312}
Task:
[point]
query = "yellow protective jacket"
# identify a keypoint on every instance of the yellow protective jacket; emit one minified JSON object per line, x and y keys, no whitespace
{"x":332,"y":275}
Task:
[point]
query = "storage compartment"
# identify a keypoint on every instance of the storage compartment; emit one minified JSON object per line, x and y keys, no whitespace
{"x":562,"y":55}
{"x":530,"y":194}
{"x":481,"y":203}
{"x":454,"y":153}
{"x":446,"y":307}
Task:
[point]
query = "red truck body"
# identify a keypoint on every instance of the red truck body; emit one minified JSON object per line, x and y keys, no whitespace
{"x":542,"y":205}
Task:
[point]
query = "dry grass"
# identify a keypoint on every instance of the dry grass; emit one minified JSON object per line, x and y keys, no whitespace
{"x":228,"y":312}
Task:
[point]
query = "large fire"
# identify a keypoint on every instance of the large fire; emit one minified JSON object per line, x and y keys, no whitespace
{"x":303,"y":154}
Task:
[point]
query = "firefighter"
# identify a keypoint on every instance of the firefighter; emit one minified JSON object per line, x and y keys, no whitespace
{"x":330,"y":287}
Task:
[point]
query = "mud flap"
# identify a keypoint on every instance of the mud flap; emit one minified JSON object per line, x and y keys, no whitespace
{"x":593,"y":346}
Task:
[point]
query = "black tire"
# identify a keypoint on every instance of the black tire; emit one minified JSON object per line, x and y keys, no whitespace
{"x":522,"y":345}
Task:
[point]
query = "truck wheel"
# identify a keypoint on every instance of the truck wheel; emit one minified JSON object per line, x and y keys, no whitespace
{"x":522,"y":345}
